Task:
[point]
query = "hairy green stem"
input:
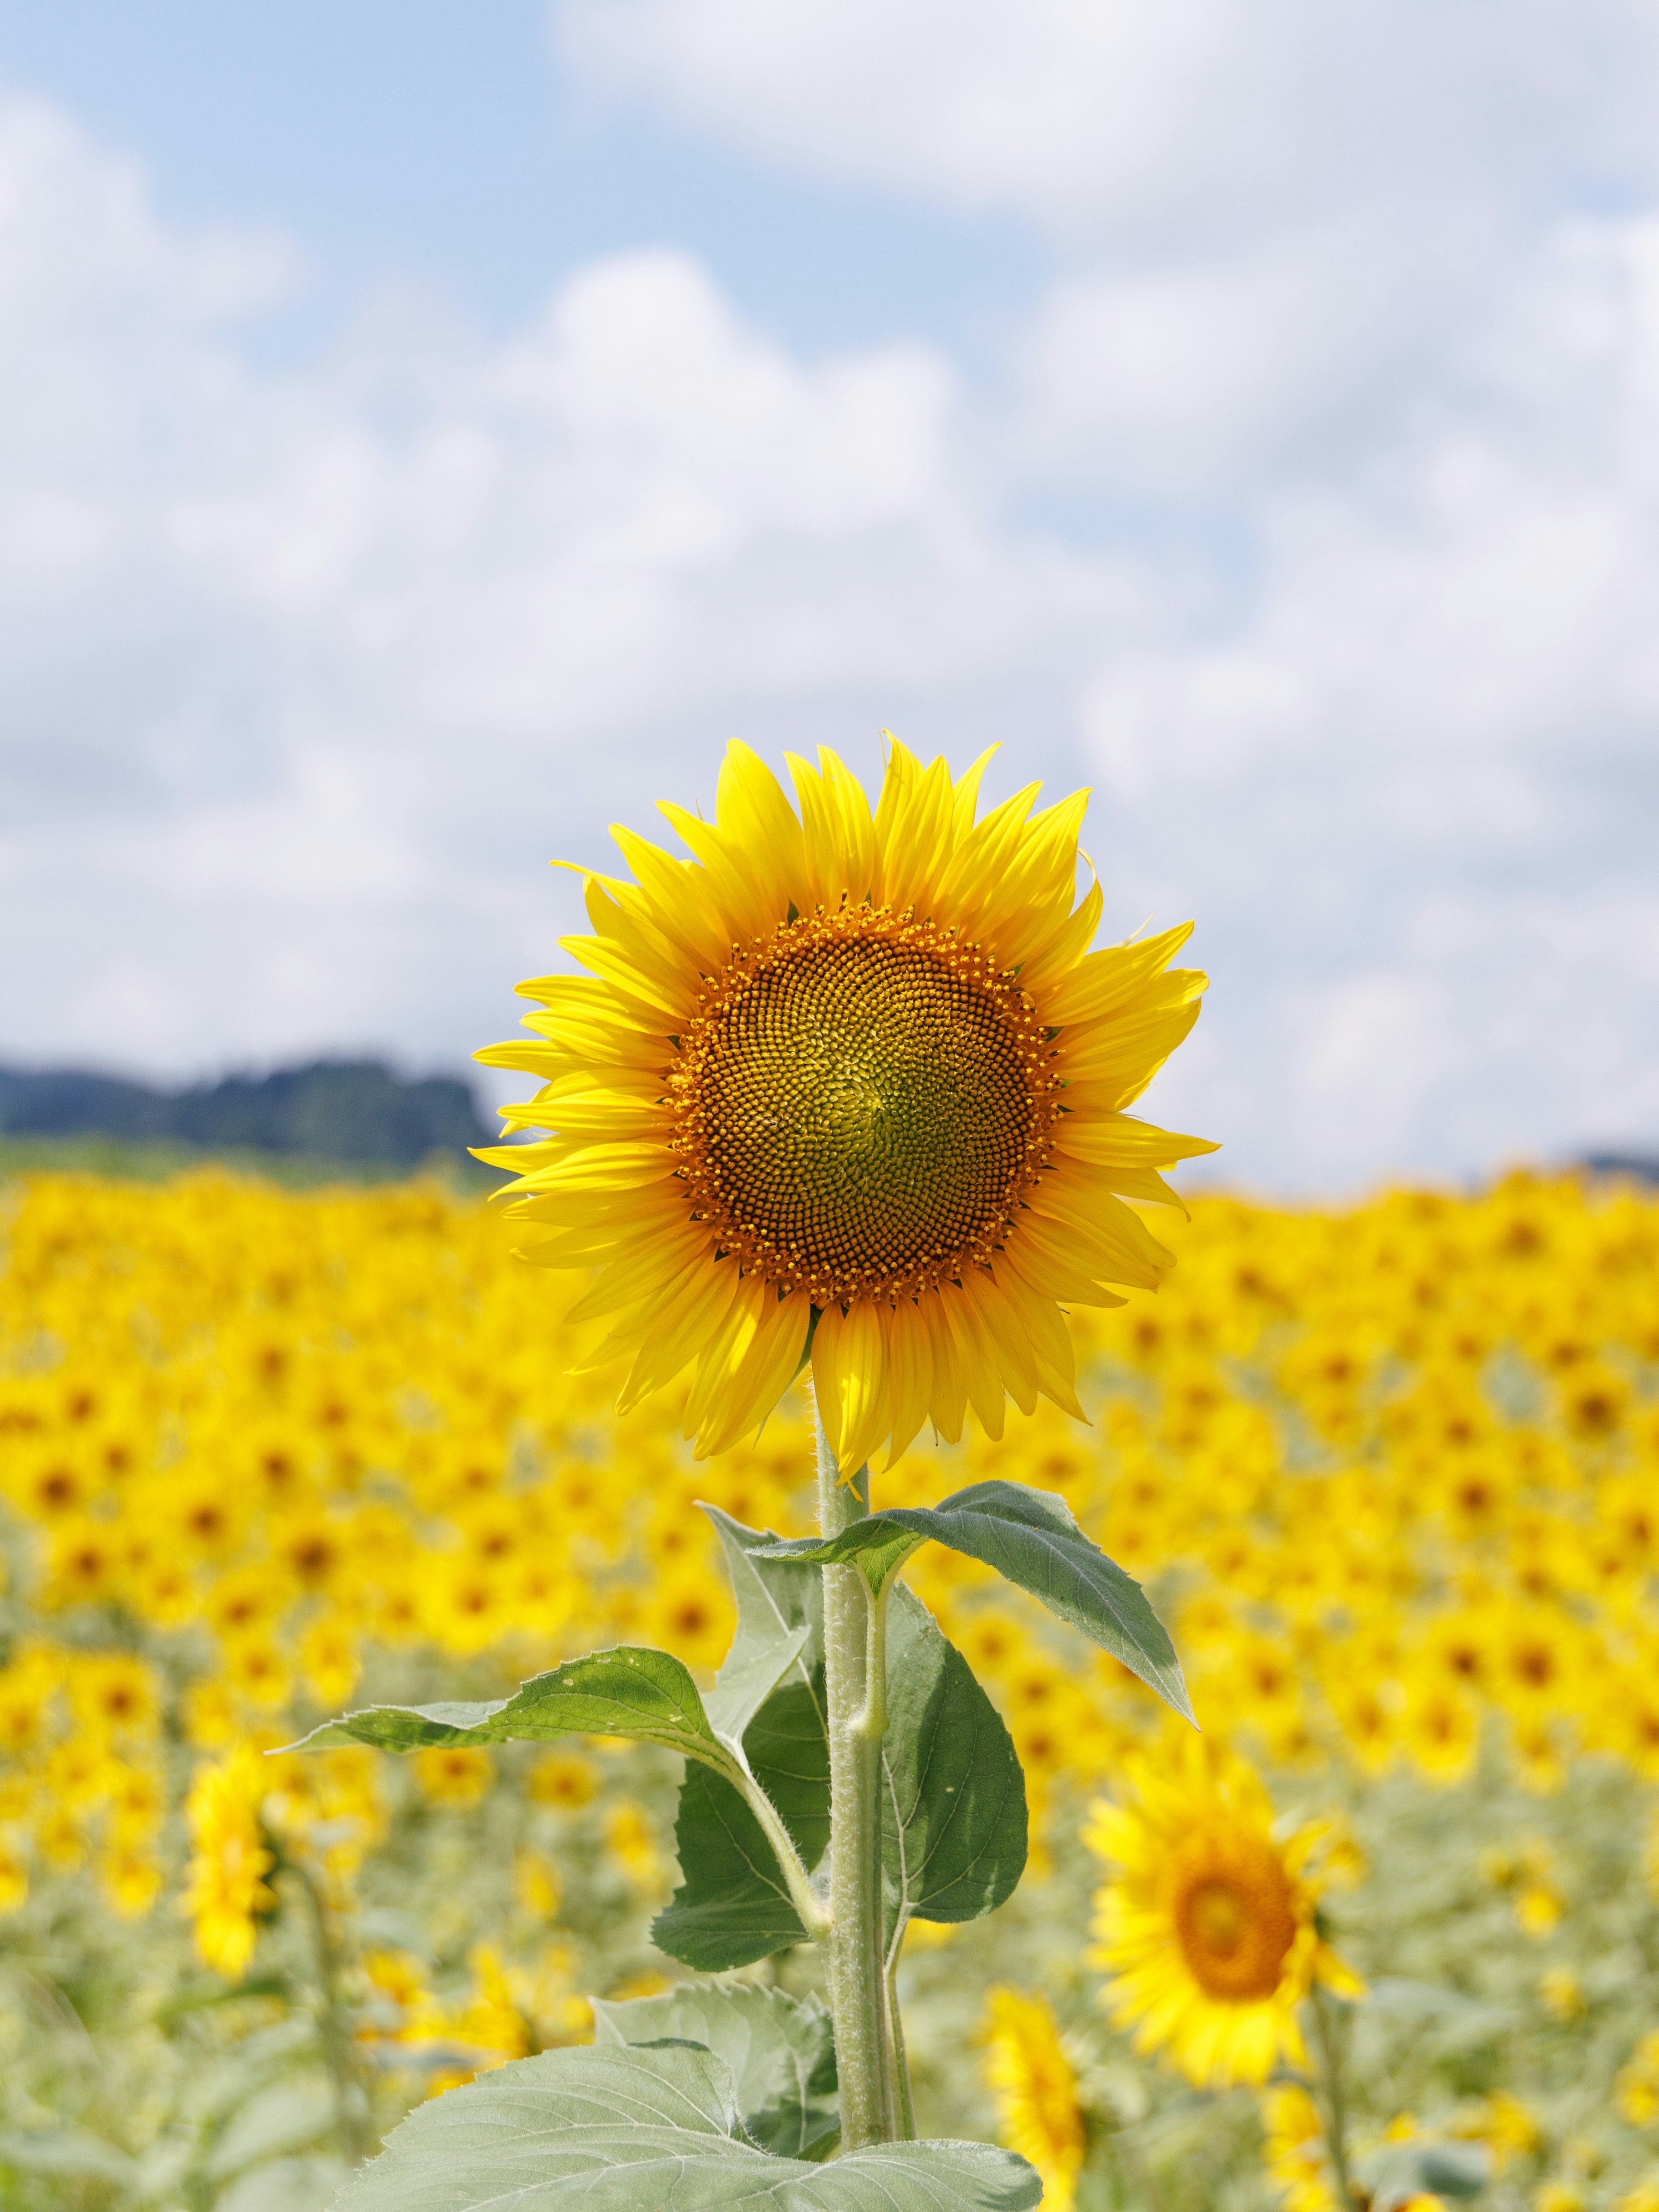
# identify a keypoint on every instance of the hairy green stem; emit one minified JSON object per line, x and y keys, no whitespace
{"x":814,"y":1918}
{"x":855,"y":1692}
{"x":1333,"y":2106}
{"x":351,"y":2123}
{"x":899,"y":2056}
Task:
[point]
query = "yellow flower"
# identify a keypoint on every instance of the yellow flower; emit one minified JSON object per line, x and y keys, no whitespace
{"x":856,"y":1066}
{"x":1538,"y":1908}
{"x":228,"y":1894}
{"x":1035,"y":2086}
{"x":536,"y":1884}
{"x":1295,"y":2150}
{"x":14,"y":1877}
{"x":115,"y":1694}
{"x":329,"y":1659}
{"x":258,"y":1669}
{"x":1563,"y":1993}
{"x":132,"y":1881}
{"x":690,"y":1615}
{"x":632,"y":1841}
{"x":1208,"y":1929}
{"x":1637,"y":2086}
{"x":455,"y":1773}
{"x":563,"y":1779}
{"x":1442,"y":1730}
{"x":1559,"y":2197}
{"x":1505,"y":2126}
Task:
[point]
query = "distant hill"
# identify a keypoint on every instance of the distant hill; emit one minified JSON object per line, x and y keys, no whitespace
{"x":1644,"y":1167}
{"x":340,"y":1109}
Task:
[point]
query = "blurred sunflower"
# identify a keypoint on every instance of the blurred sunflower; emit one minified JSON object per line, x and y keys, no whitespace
{"x":1207,"y":1929}
{"x":850,"y":1081}
{"x":228,"y":1894}
{"x":1293,"y":2150}
{"x":1035,"y":2086}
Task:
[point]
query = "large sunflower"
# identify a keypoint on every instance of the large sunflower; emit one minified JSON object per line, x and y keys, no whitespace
{"x":1208,"y":1928}
{"x":851,"y":1082}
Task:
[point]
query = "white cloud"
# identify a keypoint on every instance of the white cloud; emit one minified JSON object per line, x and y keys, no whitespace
{"x":1273,"y":225}
{"x":1148,"y":125}
{"x":1420,"y":774}
{"x":306,"y":675}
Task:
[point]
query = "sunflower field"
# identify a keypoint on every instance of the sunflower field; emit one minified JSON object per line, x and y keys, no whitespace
{"x":1390,"y":1474}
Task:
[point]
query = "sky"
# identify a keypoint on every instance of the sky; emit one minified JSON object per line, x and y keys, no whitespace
{"x":428,"y":436}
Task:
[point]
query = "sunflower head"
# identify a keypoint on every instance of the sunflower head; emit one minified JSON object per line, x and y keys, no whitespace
{"x":1030,"y":2075}
{"x":1206,"y":1924}
{"x":848,"y":1078}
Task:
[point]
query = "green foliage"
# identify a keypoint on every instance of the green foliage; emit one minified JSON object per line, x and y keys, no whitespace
{"x":734,"y":1906}
{"x":634,"y":2129}
{"x":953,"y":1806}
{"x":781,"y":2051}
{"x":954,"y":1838}
{"x":1400,"y":2173}
{"x":685,"y":2090}
{"x":1032,"y":1540}
{"x":779,"y":1627}
{"x":629,"y":1691}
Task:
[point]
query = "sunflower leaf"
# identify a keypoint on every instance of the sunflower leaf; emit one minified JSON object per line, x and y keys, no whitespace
{"x":781,"y":2051}
{"x":1032,"y":1538}
{"x":953,"y":1803}
{"x":953,"y":1794}
{"x":1402,"y":2173}
{"x":630,"y":1691}
{"x":630,"y":2129}
{"x":732,"y":1905}
{"x":780,"y":1616}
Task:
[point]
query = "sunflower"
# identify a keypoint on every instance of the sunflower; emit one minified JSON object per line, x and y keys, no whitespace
{"x":1208,"y":1928}
{"x":1035,"y":2085}
{"x":1293,"y":2150}
{"x":851,"y":1084}
{"x":228,"y":1895}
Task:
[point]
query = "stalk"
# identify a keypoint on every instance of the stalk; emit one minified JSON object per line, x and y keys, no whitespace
{"x":854,"y":1672}
{"x":334,"y":2022}
{"x":901,"y":2057}
{"x":1333,"y":2111}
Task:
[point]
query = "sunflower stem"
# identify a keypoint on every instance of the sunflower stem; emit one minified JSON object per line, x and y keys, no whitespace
{"x":1334,"y":2104}
{"x":854,"y":1667}
{"x":901,"y":2057}
{"x":334,"y":2026}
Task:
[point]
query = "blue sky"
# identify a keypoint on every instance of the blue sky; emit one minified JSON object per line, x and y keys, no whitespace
{"x":431,"y":147}
{"x":427,"y":434}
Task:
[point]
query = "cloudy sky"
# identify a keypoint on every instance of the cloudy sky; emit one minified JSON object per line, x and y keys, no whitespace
{"x":427,"y":433}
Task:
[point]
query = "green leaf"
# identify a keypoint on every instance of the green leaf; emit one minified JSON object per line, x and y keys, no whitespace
{"x":286,"y":2184}
{"x":288,"y":2115}
{"x":639,"y":2129}
{"x":1398,"y":2171}
{"x":780,"y":1613}
{"x":69,"y":2151}
{"x":953,"y":1799}
{"x":630,"y":1691}
{"x":732,"y":1907}
{"x":1032,"y":1538}
{"x":781,"y":2049}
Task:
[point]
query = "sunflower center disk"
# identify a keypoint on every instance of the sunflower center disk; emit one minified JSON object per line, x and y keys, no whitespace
{"x":861,"y":1110}
{"x":1236,"y":1926}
